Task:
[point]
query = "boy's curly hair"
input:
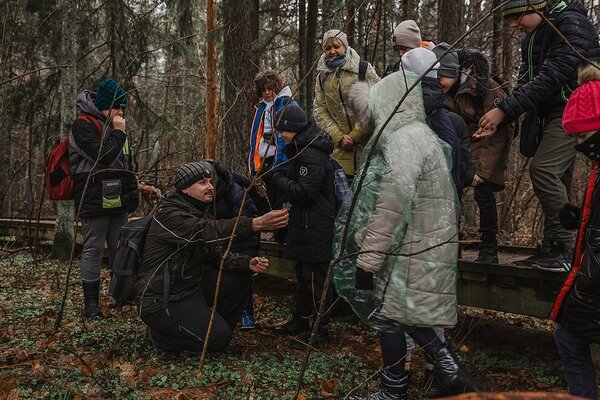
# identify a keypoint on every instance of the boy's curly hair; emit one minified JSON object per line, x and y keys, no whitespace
{"x":268,"y":79}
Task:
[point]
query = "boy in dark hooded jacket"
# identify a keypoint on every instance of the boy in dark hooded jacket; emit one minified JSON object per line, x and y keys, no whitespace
{"x":309,"y":184}
{"x":548,"y":75}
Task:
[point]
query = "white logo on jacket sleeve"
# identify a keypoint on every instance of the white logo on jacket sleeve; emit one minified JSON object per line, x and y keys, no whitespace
{"x":303,"y":171}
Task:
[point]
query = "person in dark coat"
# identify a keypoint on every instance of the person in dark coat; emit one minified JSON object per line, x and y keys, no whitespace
{"x":228,"y":200}
{"x":471,"y":92}
{"x":309,"y":184}
{"x":577,"y":308}
{"x":548,"y":75}
{"x":104,"y":184}
{"x":181,"y":257}
{"x":446,"y":124}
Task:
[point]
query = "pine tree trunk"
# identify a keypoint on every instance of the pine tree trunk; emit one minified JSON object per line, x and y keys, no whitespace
{"x":65,"y":210}
{"x":303,"y":61}
{"x":450,"y":19}
{"x":311,"y":45}
{"x":240,"y":62}
{"x":210,"y":141}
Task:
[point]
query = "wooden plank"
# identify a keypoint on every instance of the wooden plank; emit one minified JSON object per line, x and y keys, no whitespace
{"x":517,"y":290}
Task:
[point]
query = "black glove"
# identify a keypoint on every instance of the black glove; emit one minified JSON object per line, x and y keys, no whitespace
{"x":364,"y":279}
{"x":570,"y":216}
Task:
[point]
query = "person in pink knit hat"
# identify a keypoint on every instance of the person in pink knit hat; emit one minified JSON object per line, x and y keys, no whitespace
{"x":577,"y":308}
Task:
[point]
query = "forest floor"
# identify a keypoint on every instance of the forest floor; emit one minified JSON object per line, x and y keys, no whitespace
{"x":113,"y":358}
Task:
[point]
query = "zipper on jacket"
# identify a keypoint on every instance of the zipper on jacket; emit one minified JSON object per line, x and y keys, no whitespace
{"x":530,"y":55}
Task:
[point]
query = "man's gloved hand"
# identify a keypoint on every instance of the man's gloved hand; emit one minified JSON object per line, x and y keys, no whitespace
{"x":570,"y":216}
{"x":364,"y":279}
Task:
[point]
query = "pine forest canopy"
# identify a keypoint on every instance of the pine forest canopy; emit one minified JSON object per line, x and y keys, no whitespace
{"x":159,"y":50}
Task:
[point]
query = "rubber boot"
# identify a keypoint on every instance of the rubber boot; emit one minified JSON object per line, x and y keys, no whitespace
{"x":390,"y":389}
{"x":91,"y":294}
{"x":451,"y":377}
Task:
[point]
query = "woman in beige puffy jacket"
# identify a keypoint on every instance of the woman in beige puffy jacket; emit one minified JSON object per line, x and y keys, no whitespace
{"x":339,"y":67}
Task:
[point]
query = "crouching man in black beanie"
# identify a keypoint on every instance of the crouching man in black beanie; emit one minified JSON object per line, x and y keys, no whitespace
{"x":181,"y":258}
{"x":309,"y":185}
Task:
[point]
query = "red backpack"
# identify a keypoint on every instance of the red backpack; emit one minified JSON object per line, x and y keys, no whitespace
{"x":59,"y":178}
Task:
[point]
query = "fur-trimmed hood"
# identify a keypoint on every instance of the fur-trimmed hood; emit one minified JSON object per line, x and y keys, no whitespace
{"x":591,"y":72}
{"x":474,"y":67}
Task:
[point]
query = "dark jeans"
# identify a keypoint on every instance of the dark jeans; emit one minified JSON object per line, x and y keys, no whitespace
{"x":311,"y":279}
{"x":182,"y":326}
{"x":488,"y":213}
{"x":393,"y":347}
{"x":577,"y":360}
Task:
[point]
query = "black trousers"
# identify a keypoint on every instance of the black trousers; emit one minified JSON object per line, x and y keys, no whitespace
{"x":488,"y":213}
{"x":311,"y":279}
{"x":182,"y":326}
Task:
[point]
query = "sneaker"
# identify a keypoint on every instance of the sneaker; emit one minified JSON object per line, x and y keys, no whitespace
{"x":294,"y":326}
{"x":559,"y":259}
{"x":540,"y":253}
{"x":321,"y":339}
{"x":247,"y":321}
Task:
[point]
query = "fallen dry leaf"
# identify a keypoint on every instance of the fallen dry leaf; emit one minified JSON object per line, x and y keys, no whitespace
{"x":329,"y":388}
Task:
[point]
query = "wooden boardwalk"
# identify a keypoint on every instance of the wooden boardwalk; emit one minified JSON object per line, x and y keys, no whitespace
{"x":500,"y":287}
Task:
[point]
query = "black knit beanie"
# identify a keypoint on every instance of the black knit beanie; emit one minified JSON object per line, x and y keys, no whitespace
{"x":187,"y":174}
{"x":110,"y":95}
{"x":450,"y":64}
{"x":291,"y":119}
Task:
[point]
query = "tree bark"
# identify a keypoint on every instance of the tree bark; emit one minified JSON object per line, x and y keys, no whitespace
{"x":350,"y":22}
{"x":210,"y":140}
{"x":450,"y":19}
{"x":303,"y":61}
{"x":311,"y":44}
{"x":240,"y":62}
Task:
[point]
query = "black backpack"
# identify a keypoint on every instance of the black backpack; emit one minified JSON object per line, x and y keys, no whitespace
{"x":127,"y":260}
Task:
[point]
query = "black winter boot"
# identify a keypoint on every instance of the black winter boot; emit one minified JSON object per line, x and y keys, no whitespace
{"x":294,"y":326}
{"x":391,"y":389}
{"x":451,"y":377}
{"x":91,"y":294}
{"x":487,"y":255}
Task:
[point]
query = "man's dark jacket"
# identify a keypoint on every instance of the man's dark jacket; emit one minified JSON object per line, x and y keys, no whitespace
{"x":183,"y":240}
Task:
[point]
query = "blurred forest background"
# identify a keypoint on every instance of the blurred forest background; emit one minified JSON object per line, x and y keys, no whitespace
{"x":189,"y":65}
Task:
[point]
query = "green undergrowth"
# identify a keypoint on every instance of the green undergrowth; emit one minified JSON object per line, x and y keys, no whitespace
{"x":112,"y":358}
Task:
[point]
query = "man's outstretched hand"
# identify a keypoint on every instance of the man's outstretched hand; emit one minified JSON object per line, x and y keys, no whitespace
{"x":270,"y":221}
{"x":259,"y":264}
